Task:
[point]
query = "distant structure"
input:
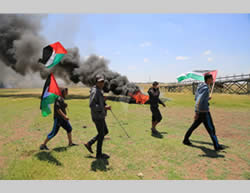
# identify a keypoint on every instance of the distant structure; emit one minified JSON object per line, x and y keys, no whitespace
{"x":236,"y":84}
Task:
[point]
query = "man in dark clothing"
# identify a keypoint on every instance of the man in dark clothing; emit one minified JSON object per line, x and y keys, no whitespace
{"x":98,"y":113}
{"x":154,"y":100}
{"x":202,"y":114}
{"x":60,"y":120}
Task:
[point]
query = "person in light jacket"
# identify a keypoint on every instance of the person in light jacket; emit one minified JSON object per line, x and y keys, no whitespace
{"x":202,"y":114}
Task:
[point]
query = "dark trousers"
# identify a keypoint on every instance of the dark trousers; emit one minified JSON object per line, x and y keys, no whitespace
{"x":156,"y":114}
{"x":102,"y":131}
{"x":57,"y":124}
{"x":206,"y":119}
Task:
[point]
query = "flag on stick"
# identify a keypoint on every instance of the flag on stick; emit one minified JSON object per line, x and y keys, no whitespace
{"x":192,"y":75}
{"x":214,"y":74}
{"x":50,"y":92}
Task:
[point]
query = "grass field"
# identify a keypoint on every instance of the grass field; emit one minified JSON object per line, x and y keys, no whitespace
{"x":23,"y":129}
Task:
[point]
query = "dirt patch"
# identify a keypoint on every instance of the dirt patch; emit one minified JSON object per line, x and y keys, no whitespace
{"x":236,"y":167}
{"x":26,"y":154}
{"x":196,"y":170}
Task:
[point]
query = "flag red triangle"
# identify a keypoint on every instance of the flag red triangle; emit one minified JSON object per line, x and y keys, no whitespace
{"x":53,"y":87}
{"x":214,"y":74}
{"x":59,"y":49}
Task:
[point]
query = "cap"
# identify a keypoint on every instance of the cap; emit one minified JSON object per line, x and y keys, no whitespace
{"x":155,"y":83}
{"x":99,"y":78}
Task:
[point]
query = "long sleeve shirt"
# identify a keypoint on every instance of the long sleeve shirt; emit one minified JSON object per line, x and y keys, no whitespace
{"x":154,"y":97}
{"x":201,"y":98}
{"x":97,"y":104}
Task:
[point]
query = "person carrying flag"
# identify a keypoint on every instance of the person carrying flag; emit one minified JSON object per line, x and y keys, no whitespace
{"x":60,"y":120}
{"x":202,"y":114}
{"x":154,"y":100}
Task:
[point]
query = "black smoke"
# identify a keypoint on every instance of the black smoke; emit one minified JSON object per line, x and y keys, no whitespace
{"x":21,"y":46}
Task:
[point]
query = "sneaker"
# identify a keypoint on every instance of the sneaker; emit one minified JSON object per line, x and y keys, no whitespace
{"x":186,"y":142}
{"x":72,"y":144}
{"x":43,"y":147}
{"x":102,"y":156}
{"x":88,"y":147}
{"x":219,"y":148}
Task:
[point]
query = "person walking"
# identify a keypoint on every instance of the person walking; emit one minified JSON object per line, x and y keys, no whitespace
{"x":202,"y":113}
{"x":60,"y":120}
{"x":98,"y":113}
{"x":154,"y":101}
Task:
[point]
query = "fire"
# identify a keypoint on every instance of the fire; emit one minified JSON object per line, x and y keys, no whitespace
{"x":139,"y":97}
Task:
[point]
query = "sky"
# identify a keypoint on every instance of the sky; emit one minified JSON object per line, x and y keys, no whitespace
{"x":148,"y":47}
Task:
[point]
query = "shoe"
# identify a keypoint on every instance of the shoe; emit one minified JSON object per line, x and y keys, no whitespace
{"x":186,"y":142}
{"x":219,"y":148}
{"x":43,"y":147}
{"x":72,"y":144}
{"x":154,"y":131}
{"x":102,"y":156}
{"x":88,"y":147}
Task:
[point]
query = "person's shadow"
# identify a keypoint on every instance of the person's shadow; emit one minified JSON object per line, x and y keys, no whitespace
{"x":208,"y":152}
{"x":99,"y":164}
{"x":46,"y":156}
{"x":60,"y":149}
{"x":208,"y":143}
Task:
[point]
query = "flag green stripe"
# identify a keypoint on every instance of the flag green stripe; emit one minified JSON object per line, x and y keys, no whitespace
{"x":181,"y":78}
{"x":46,"y":102}
{"x":194,"y":76}
{"x":57,"y":59}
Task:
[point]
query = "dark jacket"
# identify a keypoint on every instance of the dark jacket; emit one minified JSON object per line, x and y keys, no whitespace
{"x":201,"y":98}
{"x":97,"y":104}
{"x":154,"y":99}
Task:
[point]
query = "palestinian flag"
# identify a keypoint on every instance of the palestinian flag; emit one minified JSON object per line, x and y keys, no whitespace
{"x":50,"y":92}
{"x":192,"y":75}
{"x":214,"y":74}
{"x":52,"y":54}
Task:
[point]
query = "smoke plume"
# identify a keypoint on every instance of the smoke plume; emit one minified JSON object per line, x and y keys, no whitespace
{"x":21,"y":46}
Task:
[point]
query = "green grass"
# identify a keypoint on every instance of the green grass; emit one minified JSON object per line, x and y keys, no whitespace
{"x":23,"y":129}
{"x":224,"y":101}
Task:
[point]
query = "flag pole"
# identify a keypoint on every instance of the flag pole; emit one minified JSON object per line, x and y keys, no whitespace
{"x":214,"y":74}
{"x":212,"y":89}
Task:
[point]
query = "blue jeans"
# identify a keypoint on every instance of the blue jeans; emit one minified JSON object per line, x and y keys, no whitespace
{"x":206,"y":119}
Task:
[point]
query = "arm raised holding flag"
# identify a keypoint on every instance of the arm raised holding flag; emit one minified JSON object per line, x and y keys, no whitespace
{"x":214,"y":74}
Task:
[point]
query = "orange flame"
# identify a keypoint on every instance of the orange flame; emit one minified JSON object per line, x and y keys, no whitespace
{"x":139,"y":97}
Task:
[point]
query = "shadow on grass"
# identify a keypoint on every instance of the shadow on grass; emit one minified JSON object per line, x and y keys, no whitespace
{"x":90,"y":157}
{"x":208,"y":143}
{"x":20,"y":96}
{"x":46,"y":156}
{"x":60,"y":149}
{"x":208,"y":152}
{"x":100,"y":164}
